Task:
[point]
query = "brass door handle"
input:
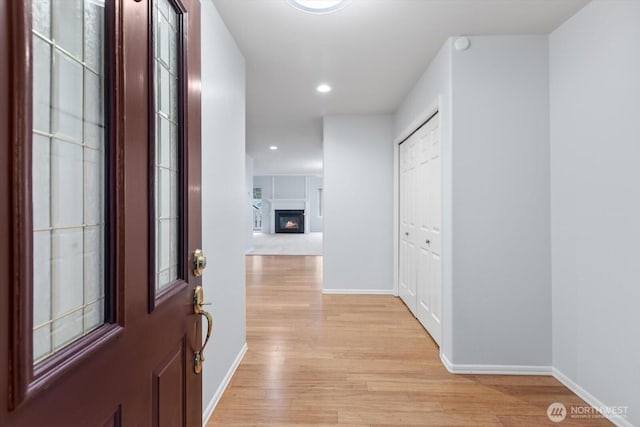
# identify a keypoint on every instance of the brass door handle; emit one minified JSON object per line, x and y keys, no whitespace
{"x":198,"y":302}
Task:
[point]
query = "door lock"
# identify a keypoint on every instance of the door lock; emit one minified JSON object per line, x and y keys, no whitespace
{"x":199,"y":262}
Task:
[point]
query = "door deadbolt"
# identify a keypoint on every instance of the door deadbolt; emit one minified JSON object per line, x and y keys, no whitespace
{"x":199,"y":262}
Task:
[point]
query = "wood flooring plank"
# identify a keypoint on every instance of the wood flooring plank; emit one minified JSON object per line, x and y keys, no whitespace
{"x":360,"y":361}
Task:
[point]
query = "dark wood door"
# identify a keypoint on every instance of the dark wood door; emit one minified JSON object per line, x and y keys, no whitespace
{"x":99,"y":212}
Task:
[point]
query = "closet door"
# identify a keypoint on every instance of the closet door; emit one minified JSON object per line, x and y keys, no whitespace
{"x":429,"y":228}
{"x":420,"y":258}
{"x":408,"y":216}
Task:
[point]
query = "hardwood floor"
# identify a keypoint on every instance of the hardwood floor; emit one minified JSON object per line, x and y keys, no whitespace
{"x":360,"y":360}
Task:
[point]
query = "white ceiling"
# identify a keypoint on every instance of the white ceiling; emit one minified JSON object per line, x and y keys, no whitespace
{"x":371,"y":53}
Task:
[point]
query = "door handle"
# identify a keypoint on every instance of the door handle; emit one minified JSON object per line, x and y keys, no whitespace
{"x":198,"y":302}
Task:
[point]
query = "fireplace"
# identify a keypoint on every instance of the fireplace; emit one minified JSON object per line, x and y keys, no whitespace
{"x":289,"y":221}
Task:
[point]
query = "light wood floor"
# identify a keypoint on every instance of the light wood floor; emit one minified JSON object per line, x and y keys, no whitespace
{"x":354,"y":360}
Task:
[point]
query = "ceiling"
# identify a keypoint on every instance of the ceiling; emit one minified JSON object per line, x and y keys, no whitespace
{"x":372,"y":52}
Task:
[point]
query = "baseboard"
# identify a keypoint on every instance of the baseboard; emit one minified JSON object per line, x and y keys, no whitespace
{"x":208,"y":411}
{"x":357,"y":291}
{"x":590,"y":399}
{"x":494,"y":369}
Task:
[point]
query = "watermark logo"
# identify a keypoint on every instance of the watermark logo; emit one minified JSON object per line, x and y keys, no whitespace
{"x":557,"y":412}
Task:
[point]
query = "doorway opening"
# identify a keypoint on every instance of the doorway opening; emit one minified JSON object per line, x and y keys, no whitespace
{"x":287,"y":215}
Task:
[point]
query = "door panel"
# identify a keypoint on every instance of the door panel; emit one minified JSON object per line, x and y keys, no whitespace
{"x":429,"y":232}
{"x":92,"y":340}
{"x":408,"y":216}
{"x":403,"y":259}
{"x":168,"y":378}
{"x":115,"y":420}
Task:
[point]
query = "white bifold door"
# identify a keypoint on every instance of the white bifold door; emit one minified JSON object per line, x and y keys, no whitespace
{"x":420,"y":258}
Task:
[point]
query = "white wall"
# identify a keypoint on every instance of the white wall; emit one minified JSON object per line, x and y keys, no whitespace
{"x":358,"y":187}
{"x":290,"y":187}
{"x":501,"y":224}
{"x":435,"y":82}
{"x":224,"y":198}
{"x":248,"y":174}
{"x":493,"y":102}
{"x":314,"y":184}
{"x":435,"y":86}
{"x":595,"y":201}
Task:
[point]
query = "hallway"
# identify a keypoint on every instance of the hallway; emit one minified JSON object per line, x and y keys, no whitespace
{"x":359,"y":360}
{"x":286,"y":244}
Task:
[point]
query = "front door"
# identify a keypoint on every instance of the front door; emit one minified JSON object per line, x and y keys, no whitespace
{"x":99,"y":213}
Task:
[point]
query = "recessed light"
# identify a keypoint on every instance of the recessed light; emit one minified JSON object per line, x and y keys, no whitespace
{"x":323,"y":88}
{"x":273,"y":148}
{"x":319,"y":6}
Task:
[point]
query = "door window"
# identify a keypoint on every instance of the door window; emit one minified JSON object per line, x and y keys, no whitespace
{"x":167,"y":143}
{"x":68,"y":172}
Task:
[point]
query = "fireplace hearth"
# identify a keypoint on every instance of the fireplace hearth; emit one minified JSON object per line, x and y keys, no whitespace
{"x":289,"y":221}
